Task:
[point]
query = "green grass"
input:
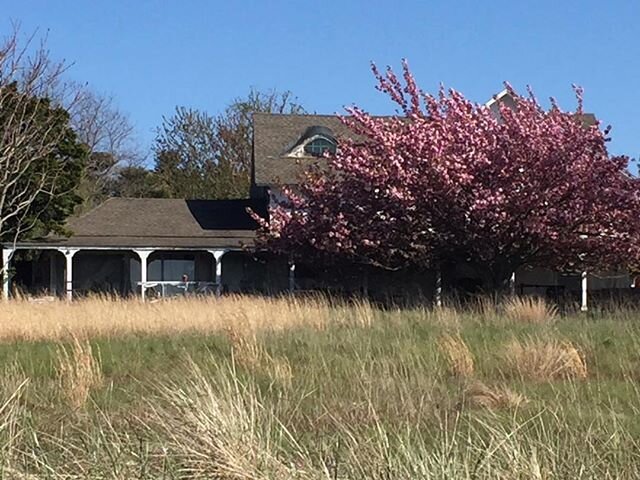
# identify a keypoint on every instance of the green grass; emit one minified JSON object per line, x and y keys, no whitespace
{"x":360,"y":402}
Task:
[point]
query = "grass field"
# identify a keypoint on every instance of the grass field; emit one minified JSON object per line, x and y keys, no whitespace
{"x":251,"y":388}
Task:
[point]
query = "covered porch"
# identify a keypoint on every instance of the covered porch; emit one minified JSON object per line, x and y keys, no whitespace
{"x":148,"y":272}
{"x":121,"y":271}
{"x":148,"y":247}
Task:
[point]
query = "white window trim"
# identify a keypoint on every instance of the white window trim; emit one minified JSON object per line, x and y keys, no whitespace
{"x":298,"y":150}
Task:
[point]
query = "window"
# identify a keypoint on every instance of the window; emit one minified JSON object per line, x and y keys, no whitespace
{"x":319,"y":145}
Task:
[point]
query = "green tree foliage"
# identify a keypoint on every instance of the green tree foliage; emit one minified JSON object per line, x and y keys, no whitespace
{"x":201,"y":156}
{"x":135,"y":182}
{"x":41,"y":164}
{"x":187,"y":164}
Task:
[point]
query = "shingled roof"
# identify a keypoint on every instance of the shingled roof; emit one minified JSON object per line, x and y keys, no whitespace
{"x":161,"y":222}
{"x":273,"y":136}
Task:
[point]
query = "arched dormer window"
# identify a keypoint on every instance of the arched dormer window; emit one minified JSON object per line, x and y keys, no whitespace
{"x":319,"y":145}
{"x":315,"y":141}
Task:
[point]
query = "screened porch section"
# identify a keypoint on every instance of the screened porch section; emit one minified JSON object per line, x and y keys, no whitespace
{"x":169,"y":273}
{"x":172,"y":273}
{"x":159,"y":247}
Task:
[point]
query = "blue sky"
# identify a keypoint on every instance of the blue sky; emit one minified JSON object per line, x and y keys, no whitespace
{"x":153,"y":55}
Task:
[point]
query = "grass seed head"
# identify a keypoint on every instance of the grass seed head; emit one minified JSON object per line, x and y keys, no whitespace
{"x":457,"y":355}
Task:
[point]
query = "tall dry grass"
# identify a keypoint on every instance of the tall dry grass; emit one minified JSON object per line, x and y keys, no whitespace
{"x":444,"y":316}
{"x":493,"y":397}
{"x":355,"y":402}
{"x":529,"y":310}
{"x":78,"y":371}
{"x":514,"y":309}
{"x":213,"y":425}
{"x":544,"y":359}
{"x":457,"y":355}
{"x":109,"y":317}
{"x":22,"y":319}
{"x":216,"y":425}
{"x":251,"y":355}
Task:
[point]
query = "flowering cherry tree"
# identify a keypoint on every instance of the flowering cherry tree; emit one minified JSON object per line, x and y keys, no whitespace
{"x":450,"y":180}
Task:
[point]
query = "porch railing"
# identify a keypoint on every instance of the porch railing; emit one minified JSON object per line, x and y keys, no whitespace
{"x":164,"y":289}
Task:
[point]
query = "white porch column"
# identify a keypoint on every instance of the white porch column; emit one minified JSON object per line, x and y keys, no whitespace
{"x":68,"y":255}
{"x":292,"y":276}
{"x":7,"y":253}
{"x":438,"y":288}
{"x":144,"y":256}
{"x":217,"y":257}
{"x":584,"y":304}
{"x":512,"y":284}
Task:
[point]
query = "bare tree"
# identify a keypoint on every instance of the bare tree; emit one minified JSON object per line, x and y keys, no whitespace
{"x":110,"y":137}
{"x":234,"y":126}
{"x":40,"y":159}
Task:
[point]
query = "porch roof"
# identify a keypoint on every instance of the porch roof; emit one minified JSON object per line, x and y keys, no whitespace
{"x":155,"y":222}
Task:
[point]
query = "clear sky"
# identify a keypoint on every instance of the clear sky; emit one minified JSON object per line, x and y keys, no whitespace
{"x":154,"y":55}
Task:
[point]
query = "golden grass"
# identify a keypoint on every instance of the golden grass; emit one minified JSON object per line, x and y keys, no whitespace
{"x":539,"y":359}
{"x":529,"y":310}
{"x":494,"y":398}
{"x":24,"y":319}
{"x":486,"y":307}
{"x":211,"y":422}
{"x":252,"y":356}
{"x":108,"y":317}
{"x":444,"y":316}
{"x":358,"y":403}
{"x":457,"y":355}
{"x":79,"y":372}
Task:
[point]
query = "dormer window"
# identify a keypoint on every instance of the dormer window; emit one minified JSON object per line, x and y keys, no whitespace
{"x":319,"y":145}
{"x":315,"y":141}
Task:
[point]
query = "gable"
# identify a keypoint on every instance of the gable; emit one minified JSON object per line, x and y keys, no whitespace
{"x":276,"y":135}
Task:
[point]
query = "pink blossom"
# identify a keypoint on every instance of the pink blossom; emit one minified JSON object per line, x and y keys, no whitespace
{"x":450,"y":180}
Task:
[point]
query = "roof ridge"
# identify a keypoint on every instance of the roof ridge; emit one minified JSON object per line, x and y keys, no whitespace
{"x":336,"y":116}
{"x":277,"y":114}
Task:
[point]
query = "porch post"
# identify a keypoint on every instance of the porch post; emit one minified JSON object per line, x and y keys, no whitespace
{"x":7,"y":253}
{"x":144,"y":256}
{"x":68,"y":255}
{"x":292,"y":276}
{"x":217,"y":257}
{"x":584,"y":304}
{"x":438,"y":288}
{"x":512,"y":284}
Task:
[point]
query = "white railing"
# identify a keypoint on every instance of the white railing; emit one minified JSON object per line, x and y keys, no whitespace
{"x":163,"y":289}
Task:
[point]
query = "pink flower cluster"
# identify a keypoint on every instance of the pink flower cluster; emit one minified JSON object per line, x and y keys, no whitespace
{"x":451,"y":179}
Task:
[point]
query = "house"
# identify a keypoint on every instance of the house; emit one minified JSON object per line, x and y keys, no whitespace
{"x":164,"y":246}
